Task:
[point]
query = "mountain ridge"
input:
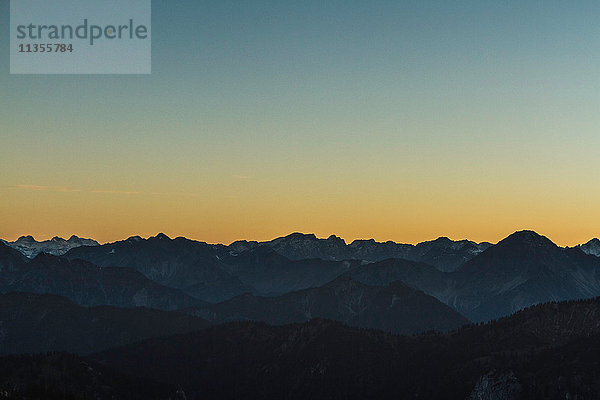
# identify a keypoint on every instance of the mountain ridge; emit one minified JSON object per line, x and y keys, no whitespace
{"x":393,"y":308}
{"x":38,"y":323}
{"x":86,"y":283}
{"x":57,"y":246}
{"x":524,"y":268}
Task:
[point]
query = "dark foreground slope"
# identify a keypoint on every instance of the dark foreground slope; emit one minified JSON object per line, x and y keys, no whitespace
{"x":31,"y":323}
{"x":70,"y":377}
{"x":517,"y":357}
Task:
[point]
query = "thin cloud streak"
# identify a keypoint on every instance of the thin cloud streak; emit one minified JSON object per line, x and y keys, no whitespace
{"x":41,"y":188}
{"x":116,"y":191}
{"x":61,"y":189}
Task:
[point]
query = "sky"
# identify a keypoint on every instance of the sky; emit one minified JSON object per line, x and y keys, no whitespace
{"x":393,"y":120}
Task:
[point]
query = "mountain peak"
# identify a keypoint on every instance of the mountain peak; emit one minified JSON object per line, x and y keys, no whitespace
{"x":334,"y":238}
{"x":162,"y":236}
{"x":591,"y":247}
{"x":342,"y":279}
{"x":299,"y":235}
{"x":27,"y":238}
{"x":358,"y":242}
{"x":528,"y":237}
{"x":43,"y":256}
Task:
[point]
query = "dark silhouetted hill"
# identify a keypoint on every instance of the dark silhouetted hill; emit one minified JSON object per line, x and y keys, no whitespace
{"x":546,"y":352}
{"x":31,"y":323}
{"x":60,"y":376}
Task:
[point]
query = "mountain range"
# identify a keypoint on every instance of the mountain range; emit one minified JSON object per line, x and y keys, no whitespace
{"x":521,"y":270}
{"x":190,"y":266}
{"x":443,"y":253}
{"x":301,"y":317}
{"x":495,"y":280}
{"x":86,"y":283}
{"x":56,"y":246}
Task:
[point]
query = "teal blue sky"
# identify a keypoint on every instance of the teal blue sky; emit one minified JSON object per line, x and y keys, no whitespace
{"x":400,"y":120}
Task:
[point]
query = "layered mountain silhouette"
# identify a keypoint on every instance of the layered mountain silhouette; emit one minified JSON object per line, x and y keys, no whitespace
{"x":394,"y":308}
{"x":545,"y":352}
{"x":494,"y":281}
{"x":213,"y":273}
{"x":414,"y":274}
{"x":31,"y":323}
{"x":270,"y":273}
{"x":57,"y":246}
{"x":521,"y":270}
{"x":443,"y":253}
{"x":193,"y":267}
{"x":85,"y":283}
{"x":10,"y":259}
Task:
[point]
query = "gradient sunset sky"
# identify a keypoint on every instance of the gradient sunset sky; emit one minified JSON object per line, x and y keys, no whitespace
{"x":393,"y":120}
